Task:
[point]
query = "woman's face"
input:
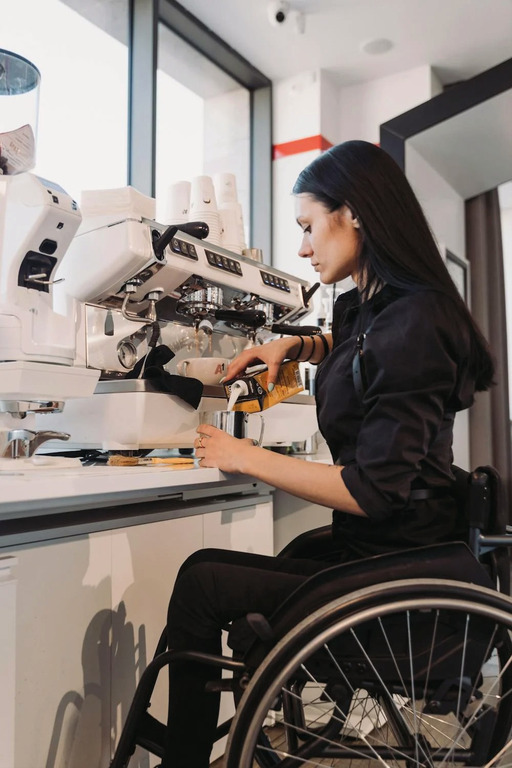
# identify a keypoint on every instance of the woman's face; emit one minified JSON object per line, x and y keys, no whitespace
{"x":330,"y":240}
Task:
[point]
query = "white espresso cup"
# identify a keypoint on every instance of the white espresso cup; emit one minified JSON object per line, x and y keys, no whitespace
{"x":235,"y":423}
{"x":209,"y":370}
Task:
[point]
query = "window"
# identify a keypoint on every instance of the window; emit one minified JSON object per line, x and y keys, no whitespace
{"x":83,"y":106}
{"x":203,"y":120}
{"x":97,"y":127}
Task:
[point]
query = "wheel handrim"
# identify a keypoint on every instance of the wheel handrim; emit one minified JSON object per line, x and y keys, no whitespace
{"x":401,"y":715}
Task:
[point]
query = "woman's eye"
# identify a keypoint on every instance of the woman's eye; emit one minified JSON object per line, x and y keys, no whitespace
{"x":307,"y":229}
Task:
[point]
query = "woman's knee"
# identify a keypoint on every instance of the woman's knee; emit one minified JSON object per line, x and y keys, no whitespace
{"x":208,"y":555}
{"x":193,"y":603}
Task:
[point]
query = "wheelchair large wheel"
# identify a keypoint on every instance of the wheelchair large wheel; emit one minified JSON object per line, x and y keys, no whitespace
{"x":409,"y":673}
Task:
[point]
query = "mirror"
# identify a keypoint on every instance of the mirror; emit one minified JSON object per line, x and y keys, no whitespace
{"x":453,"y":149}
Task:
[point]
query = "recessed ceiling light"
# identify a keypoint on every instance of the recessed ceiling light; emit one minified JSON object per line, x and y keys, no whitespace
{"x":379,"y":45}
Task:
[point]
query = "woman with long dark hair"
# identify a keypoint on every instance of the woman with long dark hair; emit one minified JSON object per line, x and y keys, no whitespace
{"x":388,"y":422}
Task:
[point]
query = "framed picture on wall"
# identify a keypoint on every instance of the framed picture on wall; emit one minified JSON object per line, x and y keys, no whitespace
{"x":458,"y":269}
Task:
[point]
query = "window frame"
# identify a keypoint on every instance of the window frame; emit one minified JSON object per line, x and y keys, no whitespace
{"x":145,"y":15}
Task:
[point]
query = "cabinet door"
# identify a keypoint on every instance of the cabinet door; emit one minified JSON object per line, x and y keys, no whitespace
{"x":89,"y":611}
{"x":293,"y":516}
{"x":63,"y":626}
{"x":145,"y":562}
{"x":247,"y":529}
{"x":8,"y":587}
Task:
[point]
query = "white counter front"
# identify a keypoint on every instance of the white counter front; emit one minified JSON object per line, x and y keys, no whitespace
{"x":93,"y":553}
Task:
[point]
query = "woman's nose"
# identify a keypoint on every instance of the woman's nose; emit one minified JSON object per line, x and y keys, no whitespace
{"x":305,"y":249}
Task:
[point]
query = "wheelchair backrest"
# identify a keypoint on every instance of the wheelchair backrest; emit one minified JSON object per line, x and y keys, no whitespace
{"x":487,"y":517}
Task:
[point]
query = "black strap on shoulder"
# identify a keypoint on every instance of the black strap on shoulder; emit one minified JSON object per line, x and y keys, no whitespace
{"x":358,"y":366}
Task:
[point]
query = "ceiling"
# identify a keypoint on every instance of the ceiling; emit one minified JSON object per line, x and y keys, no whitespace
{"x":473,"y":149}
{"x":458,"y":38}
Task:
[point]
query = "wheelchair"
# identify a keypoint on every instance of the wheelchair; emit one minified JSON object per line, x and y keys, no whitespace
{"x":412,"y":668}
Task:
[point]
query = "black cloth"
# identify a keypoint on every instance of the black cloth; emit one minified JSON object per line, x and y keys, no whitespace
{"x":399,"y":437}
{"x":188,"y":389}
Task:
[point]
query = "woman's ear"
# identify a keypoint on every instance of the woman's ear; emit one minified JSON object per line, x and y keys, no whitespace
{"x":350,"y":214}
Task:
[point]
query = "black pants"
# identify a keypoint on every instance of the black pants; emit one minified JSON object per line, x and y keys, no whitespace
{"x":215,"y":587}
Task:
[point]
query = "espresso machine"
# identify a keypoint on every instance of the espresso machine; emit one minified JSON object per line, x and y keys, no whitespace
{"x":38,"y":220}
{"x":137,"y":283}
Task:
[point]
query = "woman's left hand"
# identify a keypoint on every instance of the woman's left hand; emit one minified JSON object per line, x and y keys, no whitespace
{"x":215,"y":448}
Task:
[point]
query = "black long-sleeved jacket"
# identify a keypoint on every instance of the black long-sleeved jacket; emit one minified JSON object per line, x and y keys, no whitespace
{"x":399,"y":437}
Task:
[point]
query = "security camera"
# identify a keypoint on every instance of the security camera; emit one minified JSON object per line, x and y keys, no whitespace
{"x":278,"y":11}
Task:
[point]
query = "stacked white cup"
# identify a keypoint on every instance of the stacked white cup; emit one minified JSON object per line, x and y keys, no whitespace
{"x":225,"y":188}
{"x":229,"y":217}
{"x":203,"y":206}
{"x":178,"y":203}
{"x":231,"y":214}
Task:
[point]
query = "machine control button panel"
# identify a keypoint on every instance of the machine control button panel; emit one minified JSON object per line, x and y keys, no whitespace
{"x":223,"y":262}
{"x":275,"y":282}
{"x":184,"y":249}
{"x":48,"y":246}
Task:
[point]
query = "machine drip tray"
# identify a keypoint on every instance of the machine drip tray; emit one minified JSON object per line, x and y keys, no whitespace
{"x":124,"y":385}
{"x":145,"y":385}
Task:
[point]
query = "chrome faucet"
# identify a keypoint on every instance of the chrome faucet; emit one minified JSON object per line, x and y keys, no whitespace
{"x":23,"y":443}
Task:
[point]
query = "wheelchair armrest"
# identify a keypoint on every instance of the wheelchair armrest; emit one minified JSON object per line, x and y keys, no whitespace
{"x":486,"y":508}
{"x":479,"y":500}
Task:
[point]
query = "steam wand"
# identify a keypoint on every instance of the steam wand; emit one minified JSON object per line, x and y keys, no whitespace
{"x":197,"y":229}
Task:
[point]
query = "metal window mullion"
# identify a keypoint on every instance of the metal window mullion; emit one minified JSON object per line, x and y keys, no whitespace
{"x":210,"y":45}
{"x":143,"y":60}
{"x":261,"y":171}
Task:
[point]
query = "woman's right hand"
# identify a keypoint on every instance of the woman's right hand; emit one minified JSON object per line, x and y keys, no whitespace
{"x":272,"y":354}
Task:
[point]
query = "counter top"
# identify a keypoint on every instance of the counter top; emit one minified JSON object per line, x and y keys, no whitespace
{"x":33,"y":493}
{"x":61,"y":501}
{"x":53,"y":489}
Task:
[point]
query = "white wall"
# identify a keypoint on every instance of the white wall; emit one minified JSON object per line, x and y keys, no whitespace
{"x":443,"y":206}
{"x":330,"y":109}
{"x":364,"y":106}
{"x":311,"y":104}
{"x":287,"y":234}
{"x":444,"y":209}
{"x":297,"y":114}
{"x":296,"y":107}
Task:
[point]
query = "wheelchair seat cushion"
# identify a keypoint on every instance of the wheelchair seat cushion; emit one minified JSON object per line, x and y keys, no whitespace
{"x":453,"y":560}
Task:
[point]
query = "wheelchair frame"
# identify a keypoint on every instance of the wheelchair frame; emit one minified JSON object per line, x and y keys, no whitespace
{"x":489,"y":541}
